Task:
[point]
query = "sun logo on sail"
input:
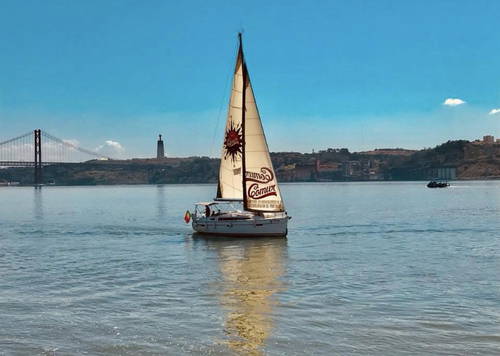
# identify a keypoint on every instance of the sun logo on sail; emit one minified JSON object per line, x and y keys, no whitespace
{"x":233,"y":142}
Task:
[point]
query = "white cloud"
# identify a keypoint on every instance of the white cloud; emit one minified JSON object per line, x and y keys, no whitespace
{"x":453,"y":102}
{"x":72,"y":142}
{"x":116,"y":145}
{"x":111,"y":148}
{"x":494,"y":111}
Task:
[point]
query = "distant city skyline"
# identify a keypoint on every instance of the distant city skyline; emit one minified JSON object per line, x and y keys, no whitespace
{"x":356,"y":74}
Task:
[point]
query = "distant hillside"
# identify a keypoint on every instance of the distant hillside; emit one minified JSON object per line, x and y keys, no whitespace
{"x":186,"y":170}
{"x":471,"y":161}
{"x":389,"y":151}
{"x":460,"y":159}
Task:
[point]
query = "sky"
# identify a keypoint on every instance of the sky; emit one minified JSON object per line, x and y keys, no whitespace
{"x":111,"y":75}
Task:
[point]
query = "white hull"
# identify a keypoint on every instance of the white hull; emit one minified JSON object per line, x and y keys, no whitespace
{"x":255,"y":226}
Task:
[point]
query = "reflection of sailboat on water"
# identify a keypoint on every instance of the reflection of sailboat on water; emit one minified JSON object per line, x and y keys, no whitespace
{"x":248,"y":201}
{"x":251,"y":271}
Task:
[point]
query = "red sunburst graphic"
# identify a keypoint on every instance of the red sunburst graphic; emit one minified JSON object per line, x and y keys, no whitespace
{"x":233,"y":142}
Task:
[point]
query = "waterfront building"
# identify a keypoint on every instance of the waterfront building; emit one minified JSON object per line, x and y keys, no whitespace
{"x":448,"y":173}
{"x":489,"y":139}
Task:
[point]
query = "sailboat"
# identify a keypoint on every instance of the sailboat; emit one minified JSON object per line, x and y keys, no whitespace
{"x":248,"y":201}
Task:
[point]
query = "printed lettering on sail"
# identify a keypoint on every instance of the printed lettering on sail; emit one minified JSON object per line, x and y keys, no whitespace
{"x":261,"y":188}
{"x":262,"y":191}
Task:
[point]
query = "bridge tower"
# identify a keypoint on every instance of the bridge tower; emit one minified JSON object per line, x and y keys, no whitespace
{"x":38,"y":157}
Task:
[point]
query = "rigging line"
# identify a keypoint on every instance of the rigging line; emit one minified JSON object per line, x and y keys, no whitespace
{"x":223,"y":99}
{"x":16,"y":138}
{"x":80,"y":149}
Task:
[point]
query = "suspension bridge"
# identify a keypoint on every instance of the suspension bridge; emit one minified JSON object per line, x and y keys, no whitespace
{"x":38,"y":148}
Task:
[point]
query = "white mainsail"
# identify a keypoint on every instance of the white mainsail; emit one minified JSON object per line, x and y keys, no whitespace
{"x":245,"y":150}
{"x":231,"y":164}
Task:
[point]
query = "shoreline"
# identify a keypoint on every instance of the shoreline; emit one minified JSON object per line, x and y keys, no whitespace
{"x":214,"y":183}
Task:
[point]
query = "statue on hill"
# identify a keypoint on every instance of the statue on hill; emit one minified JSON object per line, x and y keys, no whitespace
{"x":160,"y":149}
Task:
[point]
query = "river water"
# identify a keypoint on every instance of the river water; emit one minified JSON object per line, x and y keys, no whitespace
{"x":367,"y":269}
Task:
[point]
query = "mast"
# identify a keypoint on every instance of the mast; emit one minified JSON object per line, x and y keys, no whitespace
{"x":243,"y":109}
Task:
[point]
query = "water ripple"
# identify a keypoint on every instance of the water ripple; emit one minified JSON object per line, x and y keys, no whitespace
{"x":371,"y":269}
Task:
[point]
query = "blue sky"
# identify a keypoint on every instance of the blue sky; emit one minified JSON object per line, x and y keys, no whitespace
{"x":356,"y":74}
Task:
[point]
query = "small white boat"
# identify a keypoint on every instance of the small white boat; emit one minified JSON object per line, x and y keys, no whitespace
{"x":248,"y":201}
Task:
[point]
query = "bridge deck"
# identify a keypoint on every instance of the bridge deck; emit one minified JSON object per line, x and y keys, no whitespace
{"x":27,"y":164}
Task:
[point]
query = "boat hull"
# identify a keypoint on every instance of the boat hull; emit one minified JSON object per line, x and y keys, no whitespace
{"x":242,"y":228}
{"x":437,"y":185}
